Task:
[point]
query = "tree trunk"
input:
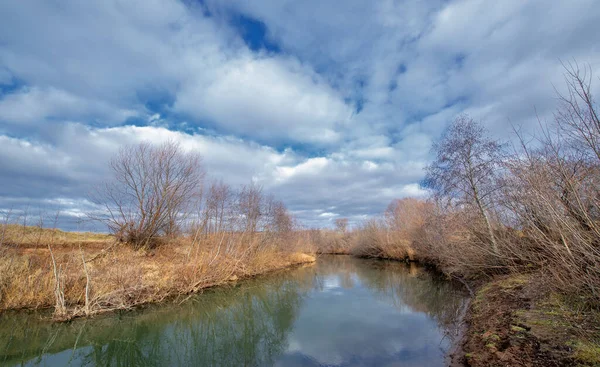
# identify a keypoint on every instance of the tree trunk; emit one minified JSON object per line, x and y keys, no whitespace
{"x":487,"y":221}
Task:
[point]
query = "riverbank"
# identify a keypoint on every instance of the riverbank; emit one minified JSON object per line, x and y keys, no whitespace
{"x":84,"y":276}
{"x":511,"y":323}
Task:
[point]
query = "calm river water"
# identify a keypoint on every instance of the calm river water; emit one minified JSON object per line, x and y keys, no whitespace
{"x":340,"y":311}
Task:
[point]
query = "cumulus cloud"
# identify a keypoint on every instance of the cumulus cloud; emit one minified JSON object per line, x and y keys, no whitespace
{"x":336,"y":117}
{"x":170,"y":53}
{"x":30,"y":106}
{"x":409,"y":60}
{"x":267,"y":98}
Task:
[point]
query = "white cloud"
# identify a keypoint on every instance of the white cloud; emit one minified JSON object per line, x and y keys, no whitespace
{"x":498,"y":61}
{"x":359,"y":90}
{"x":267,"y":98}
{"x":36,"y":105}
{"x":310,"y":167}
{"x":109,"y":55}
{"x":64,"y":172}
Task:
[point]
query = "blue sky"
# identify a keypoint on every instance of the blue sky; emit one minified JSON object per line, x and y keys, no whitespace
{"x":331,"y":106}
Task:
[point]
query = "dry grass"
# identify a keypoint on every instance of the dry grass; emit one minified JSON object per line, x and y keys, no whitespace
{"x":35,"y":236}
{"x":119,"y":277}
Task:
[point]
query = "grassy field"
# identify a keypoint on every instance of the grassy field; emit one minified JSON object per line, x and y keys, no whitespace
{"x":14,"y":235}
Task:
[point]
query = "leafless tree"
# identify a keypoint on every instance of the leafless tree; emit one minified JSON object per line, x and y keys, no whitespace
{"x":153,"y":187}
{"x":554,"y":190}
{"x":341,"y":224}
{"x":250,"y":207}
{"x":465,"y":168}
{"x":280,"y":220}
{"x":218,"y":206}
{"x":577,"y":116}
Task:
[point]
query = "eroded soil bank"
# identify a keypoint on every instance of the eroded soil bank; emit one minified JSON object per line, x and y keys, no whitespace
{"x":510,"y":324}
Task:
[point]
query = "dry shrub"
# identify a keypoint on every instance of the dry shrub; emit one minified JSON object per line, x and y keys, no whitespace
{"x":559,"y":213}
{"x":375,"y":239}
{"x":397,"y":234}
{"x":456,"y":240}
{"x":331,"y":242}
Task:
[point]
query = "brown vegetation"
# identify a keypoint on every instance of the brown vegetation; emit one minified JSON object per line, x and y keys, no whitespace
{"x":82,"y":279}
{"x":15,"y":235}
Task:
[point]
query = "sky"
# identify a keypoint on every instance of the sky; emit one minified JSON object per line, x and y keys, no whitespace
{"x":331,"y":106}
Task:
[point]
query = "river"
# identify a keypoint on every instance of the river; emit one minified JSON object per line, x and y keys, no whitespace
{"x":339,"y":311}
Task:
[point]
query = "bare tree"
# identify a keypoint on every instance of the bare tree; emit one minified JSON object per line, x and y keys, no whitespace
{"x":280,"y":220}
{"x":577,"y":116}
{"x":217,"y":207}
{"x":250,"y":207}
{"x":465,"y":167}
{"x":341,"y":224}
{"x":554,"y":191}
{"x":152,"y":188}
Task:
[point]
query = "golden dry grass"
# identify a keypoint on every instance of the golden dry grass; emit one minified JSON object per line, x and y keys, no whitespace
{"x":122,"y":278}
{"x":33,"y":236}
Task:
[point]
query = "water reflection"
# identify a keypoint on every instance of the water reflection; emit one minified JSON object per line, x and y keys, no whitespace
{"x":374,"y":313}
{"x":340,"y":311}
